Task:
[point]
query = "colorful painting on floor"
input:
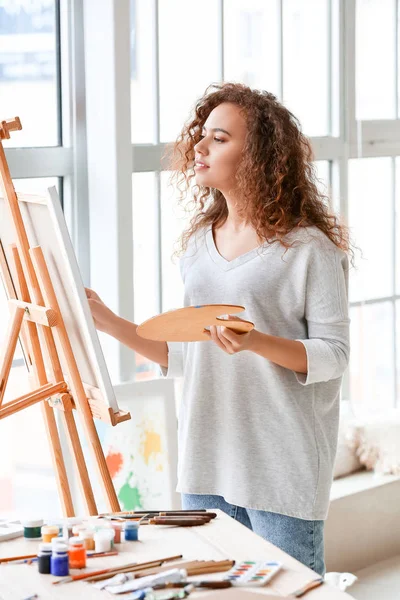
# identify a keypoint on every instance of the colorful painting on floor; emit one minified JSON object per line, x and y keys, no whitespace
{"x":137,"y":459}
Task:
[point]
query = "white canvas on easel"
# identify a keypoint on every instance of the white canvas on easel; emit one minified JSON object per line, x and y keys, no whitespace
{"x":46,"y":226}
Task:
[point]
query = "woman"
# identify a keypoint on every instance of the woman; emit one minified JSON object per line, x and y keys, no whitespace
{"x":259,"y":415}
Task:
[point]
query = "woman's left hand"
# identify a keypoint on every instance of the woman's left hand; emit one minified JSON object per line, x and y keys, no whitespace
{"x":229,"y":341}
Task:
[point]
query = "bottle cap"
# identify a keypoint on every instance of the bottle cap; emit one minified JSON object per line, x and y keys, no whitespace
{"x":75,"y":541}
{"x":60,"y":548}
{"x":45,"y":547}
{"x":32,"y":523}
{"x":50,"y":529}
{"x":87,"y":534}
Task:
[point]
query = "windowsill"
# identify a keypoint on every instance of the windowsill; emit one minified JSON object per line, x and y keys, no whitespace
{"x":358,"y":482}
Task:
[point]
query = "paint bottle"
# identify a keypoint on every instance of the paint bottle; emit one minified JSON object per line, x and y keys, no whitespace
{"x":88,"y":539}
{"x":44,"y":557}
{"x":76,"y":553}
{"x":77,"y":529}
{"x":118,"y":527}
{"x":32,"y":529}
{"x":68,"y":525}
{"x":59,"y":564}
{"x":102,"y":540}
{"x":131,"y":532}
{"x":49,"y":532}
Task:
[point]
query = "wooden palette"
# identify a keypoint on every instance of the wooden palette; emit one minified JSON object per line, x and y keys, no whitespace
{"x":188,"y":324}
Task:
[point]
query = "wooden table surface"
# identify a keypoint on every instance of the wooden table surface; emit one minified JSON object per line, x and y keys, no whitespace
{"x":222,"y":538}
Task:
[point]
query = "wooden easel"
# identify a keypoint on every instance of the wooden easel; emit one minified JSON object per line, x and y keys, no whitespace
{"x":35,"y":317}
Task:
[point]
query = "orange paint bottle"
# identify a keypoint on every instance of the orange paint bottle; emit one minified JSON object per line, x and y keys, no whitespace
{"x":76,"y":553}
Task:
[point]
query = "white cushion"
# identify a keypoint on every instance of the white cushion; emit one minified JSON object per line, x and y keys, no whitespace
{"x":376,"y":441}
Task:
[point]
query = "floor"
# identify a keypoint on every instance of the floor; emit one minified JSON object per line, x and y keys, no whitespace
{"x":378,"y":582}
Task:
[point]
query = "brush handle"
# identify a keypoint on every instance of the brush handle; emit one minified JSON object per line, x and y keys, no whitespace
{"x":308,"y":587}
{"x":12,"y":558}
{"x":180,"y":518}
{"x":213,"y":585}
{"x":178,"y":522}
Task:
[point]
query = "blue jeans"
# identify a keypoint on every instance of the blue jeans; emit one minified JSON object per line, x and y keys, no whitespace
{"x":304,"y":540}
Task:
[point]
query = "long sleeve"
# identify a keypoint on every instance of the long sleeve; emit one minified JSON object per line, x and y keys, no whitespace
{"x":327,"y":345}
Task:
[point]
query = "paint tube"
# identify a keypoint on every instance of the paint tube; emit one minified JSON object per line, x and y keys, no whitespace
{"x":173,"y":575}
{"x":118,"y":579}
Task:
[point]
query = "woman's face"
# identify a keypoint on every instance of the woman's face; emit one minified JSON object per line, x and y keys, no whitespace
{"x":219,"y":152}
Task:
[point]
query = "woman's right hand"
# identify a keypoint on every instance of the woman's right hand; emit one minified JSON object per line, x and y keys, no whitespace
{"x":103,"y":317}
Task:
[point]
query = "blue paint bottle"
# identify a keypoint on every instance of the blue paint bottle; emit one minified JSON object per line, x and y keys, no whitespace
{"x":59,"y":560}
{"x":131,"y":532}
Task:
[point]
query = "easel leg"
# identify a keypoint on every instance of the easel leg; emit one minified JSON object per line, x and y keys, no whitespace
{"x":58,"y":460}
{"x":75,"y":381}
{"x":40,"y":376}
{"x":76,"y":448}
{"x":7,"y":358}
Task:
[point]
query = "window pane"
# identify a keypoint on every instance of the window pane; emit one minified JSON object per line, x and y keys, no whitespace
{"x":251,"y":39}
{"x":397,"y":208}
{"x":189,"y":59}
{"x":370,"y":220}
{"x":328,"y":184}
{"x":28,"y":64}
{"x":323,"y":176}
{"x":145,"y":258}
{"x":173,"y":222}
{"x":26,"y":470}
{"x":306,"y":63}
{"x":143,"y":90}
{"x":375,"y":59}
{"x":398,"y":352}
{"x":372,"y":357}
{"x":36,"y":185}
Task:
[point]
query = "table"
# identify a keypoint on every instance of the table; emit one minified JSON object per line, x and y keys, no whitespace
{"x":222,"y":538}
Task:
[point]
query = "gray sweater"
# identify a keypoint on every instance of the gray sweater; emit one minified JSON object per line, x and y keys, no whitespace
{"x":260,"y":435}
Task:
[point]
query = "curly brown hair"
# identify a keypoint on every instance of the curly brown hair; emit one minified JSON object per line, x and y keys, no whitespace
{"x":276,"y":178}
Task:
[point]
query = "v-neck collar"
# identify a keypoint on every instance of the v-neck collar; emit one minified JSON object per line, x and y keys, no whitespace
{"x":227,"y":265}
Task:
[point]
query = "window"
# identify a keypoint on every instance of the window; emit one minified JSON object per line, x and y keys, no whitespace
{"x":29,"y":70}
{"x":376,"y":59}
{"x":306,"y":63}
{"x":323,"y":176}
{"x":146,"y":258}
{"x":251,"y":43}
{"x":143,"y":80}
{"x":174,"y":220}
{"x":295,"y":49}
{"x":189,"y":51}
{"x":372,"y":218}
